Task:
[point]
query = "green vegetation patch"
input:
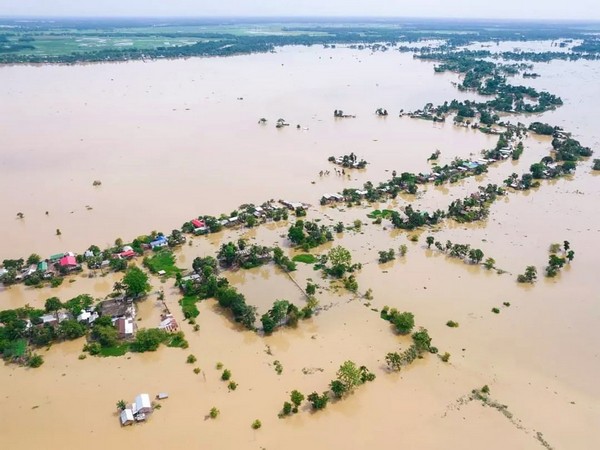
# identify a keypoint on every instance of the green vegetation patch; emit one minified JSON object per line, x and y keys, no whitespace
{"x":380,"y":213}
{"x":16,"y":348}
{"x":305,"y":258}
{"x":117,"y":350}
{"x":163,"y":260}
{"x":188,"y":306}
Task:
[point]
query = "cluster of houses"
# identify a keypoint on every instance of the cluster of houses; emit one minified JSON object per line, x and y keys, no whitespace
{"x":293,"y":205}
{"x":137,"y":411}
{"x":59,"y":264}
{"x":460,"y":168}
{"x":350,"y":161}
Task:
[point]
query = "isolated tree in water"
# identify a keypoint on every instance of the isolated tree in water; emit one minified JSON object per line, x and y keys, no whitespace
{"x":136,"y":282}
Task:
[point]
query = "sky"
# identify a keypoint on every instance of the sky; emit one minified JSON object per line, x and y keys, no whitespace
{"x":503,"y":9}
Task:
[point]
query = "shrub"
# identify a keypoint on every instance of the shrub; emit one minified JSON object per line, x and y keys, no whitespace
{"x":191,"y":359}
{"x":256,"y":424}
{"x":404,"y":322}
{"x":197,"y":370}
{"x":214,"y":412}
{"x":495,"y":310}
{"x":485,"y":389}
{"x":554,"y":248}
{"x":226,"y":375}
{"x":445,"y":357}
{"x":35,"y":361}
{"x":232,"y":386}
{"x":297,"y":398}
{"x":219,"y":365}
{"x":278,"y":367}
{"x":318,"y":401}
{"x":452,"y":324}
{"x":386,"y":255}
{"x":287,"y":408}
{"x":351,"y":284}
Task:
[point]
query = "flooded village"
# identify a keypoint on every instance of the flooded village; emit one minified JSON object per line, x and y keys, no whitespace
{"x":234,"y":284}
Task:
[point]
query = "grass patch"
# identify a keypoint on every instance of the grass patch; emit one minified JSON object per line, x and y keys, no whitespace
{"x":305,"y":258}
{"x":380,"y":213}
{"x":163,"y":260}
{"x":117,"y":350}
{"x":188,"y":306}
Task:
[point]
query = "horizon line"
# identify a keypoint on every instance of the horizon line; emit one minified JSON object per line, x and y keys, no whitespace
{"x":301,"y":17}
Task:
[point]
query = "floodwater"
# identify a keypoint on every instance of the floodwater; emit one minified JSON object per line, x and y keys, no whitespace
{"x":160,"y":164}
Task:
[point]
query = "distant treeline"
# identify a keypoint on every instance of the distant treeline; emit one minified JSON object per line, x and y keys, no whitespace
{"x":18,"y":42}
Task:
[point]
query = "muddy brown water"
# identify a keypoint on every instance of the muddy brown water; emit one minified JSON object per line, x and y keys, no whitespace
{"x":160,"y":164}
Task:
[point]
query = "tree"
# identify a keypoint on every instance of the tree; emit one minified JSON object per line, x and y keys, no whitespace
{"x":394,"y":361}
{"x":489,"y":263}
{"x":475,"y":255}
{"x":268,"y":323}
{"x":34,"y":259}
{"x":148,"y":340}
{"x":404,"y":322}
{"x":568,"y":166}
{"x":297,"y":398}
{"x":349,"y":375}
{"x":422,"y":340}
{"x":287,"y":408}
{"x":106,"y":335}
{"x":338,"y":388}
{"x":340,"y":260}
{"x":121,"y":405}
{"x":136,"y":281}
{"x":430,"y":240}
{"x":53,"y":304}
{"x":71,"y":329}
{"x":318,"y":401}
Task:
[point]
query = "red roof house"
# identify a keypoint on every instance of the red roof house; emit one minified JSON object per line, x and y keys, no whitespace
{"x":198,"y":223}
{"x":68,"y":261}
{"x":127,"y":254}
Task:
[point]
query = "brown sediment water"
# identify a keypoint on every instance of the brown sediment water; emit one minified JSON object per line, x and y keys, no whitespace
{"x":160,"y":164}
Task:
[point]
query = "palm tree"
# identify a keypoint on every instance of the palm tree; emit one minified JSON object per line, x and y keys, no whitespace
{"x":119,"y":287}
{"x":121,"y":405}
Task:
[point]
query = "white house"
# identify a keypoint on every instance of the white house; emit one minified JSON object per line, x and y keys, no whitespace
{"x":127,"y":417}
{"x":87,"y":316}
{"x":142,"y":404}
